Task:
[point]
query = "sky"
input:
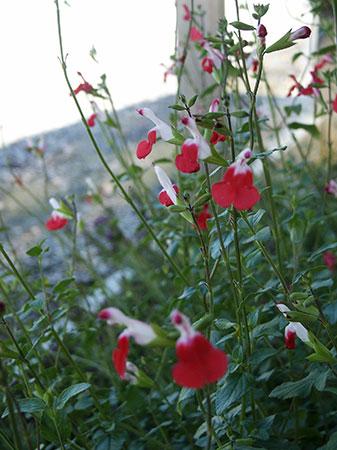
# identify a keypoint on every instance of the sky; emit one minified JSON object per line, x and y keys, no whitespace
{"x":132,"y":39}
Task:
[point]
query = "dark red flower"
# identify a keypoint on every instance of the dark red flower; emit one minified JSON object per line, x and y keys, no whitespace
{"x":330,"y":260}
{"x":92,"y":120}
{"x":56,"y":222}
{"x":255,"y":65}
{"x":199,"y":362}
{"x":207,"y":64}
{"x":290,"y":338}
{"x":217,"y":137}
{"x":120,"y":355}
{"x":237,"y":186}
{"x":203,"y":216}
{"x":187,"y":161}
{"x":301,"y":33}
{"x":164,"y":198}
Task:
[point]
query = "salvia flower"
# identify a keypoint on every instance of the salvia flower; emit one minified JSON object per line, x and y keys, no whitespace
{"x":203,"y":217}
{"x":309,"y":90}
{"x":293,"y":329}
{"x":187,"y":13}
{"x":97,"y":114}
{"x":192,"y":149}
{"x":141,"y":332}
{"x":301,"y":33}
{"x":92,"y":120}
{"x":237,"y":187}
{"x":57,"y":220}
{"x":83,"y":87}
{"x":213,"y":59}
{"x":199,"y":362}
{"x":331,"y":188}
{"x":168,"y":195}
{"x":261,"y":34}
{"x":144,"y":147}
{"x":196,"y":35}
{"x":217,"y":137}
{"x":214,"y":106}
{"x":330,"y":260}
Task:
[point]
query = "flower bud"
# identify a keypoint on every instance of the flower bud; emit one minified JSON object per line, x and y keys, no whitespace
{"x":301,"y":33}
{"x":261,"y":31}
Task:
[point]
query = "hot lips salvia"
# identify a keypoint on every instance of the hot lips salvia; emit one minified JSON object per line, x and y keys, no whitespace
{"x":237,"y":187}
{"x":199,"y":362}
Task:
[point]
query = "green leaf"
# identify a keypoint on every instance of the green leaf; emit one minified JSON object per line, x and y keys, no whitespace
{"x":301,"y":388}
{"x":192,"y":100}
{"x":178,"y":107}
{"x":310,"y":128}
{"x":296,"y":109}
{"x":282,"y":43}
{"x":331,"y":444}
{"x":69,"y":393}
{"x":29,"y":406}
{"x":231,"y":392}
{"x":242,"y":26}
{"x":62,"y":285}
{"x":34,"y":251}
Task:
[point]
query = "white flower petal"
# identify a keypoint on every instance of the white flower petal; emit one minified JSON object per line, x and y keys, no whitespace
{"x":166,"y":183}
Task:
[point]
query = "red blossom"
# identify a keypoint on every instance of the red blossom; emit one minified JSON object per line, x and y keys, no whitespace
{"x":330,"y":260}
{"x":187,"y":161}
{"x":92,"y":120}
{"x":56,"y":222}
{"x":255,"y":65}
{"x":309,"y":90}
{"x":290,"y":339}
{"x":144,"y":147}
{"x":237,"y":186}
{"x":120,"y":355}
{"x":217,"y":137}
{"x":164,"y":198}
{"x":203,"y":216}
{"x":187,"y":16}
{"x":199,"y":362}
{"x":207,"y":64}
{"x":196,"y":35}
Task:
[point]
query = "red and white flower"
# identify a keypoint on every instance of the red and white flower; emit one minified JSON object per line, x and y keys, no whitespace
{"x":237,"y":187}
{"x":144,"y":147}
{"x":168,"y":195}
{"x":331,"y":188}
{"x":199,"y":362}
{"x":141,"y":332}
{"x":293,"y":329}
{"x":214,"y":106}
{"x":57,"y":220}
{"x":192,"y":149}
{"x":213,"y":59}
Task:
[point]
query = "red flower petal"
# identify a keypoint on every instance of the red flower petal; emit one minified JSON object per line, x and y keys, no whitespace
{"x":83,"y":87}
{"x":330,"y":260}
{"x":187,"y":161}
{"x":120,"y":356}
{"x":202,"y":217}
{"x":246,"y":197}
{"x":217,"y":137}
{"x":195,"y":34}
{"x":56,"y":223}
{"x":163,"y":197}
{"x":152,"y":137}
{"x":91,"y":120}
{"x":199,"y":363}
{"x":207,"y":64}
{"x":334,"y":104}
{"x":290,"y":340}
{"x":144,"y":148}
